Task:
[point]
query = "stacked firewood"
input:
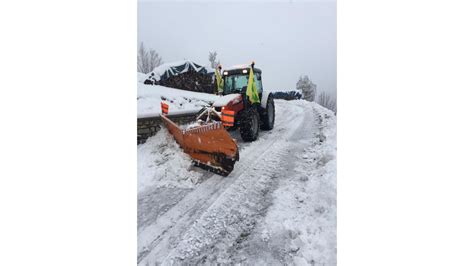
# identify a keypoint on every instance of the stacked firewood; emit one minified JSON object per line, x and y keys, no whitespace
{"x":190,"y":81}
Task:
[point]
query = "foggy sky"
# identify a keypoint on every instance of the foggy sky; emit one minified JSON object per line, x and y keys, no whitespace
{"x":285,"y":39}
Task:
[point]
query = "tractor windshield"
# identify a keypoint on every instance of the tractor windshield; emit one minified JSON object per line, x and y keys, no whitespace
{"x":235,"y":83}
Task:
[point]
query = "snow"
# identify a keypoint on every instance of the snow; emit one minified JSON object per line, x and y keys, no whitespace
{"x":161,"y":163}
{"x":277,"y":207}
{"x":224,"y":100}
{"x":237,"y":66}
{"x":149,"y":99}
{"x":305,"y":204}
{"x":141,"y":77}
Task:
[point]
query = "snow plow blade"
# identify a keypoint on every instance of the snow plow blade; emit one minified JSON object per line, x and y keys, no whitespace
{"x":210,"y":146}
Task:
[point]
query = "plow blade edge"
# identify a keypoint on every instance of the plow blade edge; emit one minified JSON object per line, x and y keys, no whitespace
{"x":210,"y":146}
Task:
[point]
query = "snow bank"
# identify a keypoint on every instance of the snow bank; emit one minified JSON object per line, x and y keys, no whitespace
{"x":149,"y":99}
{"x":161,"y":163}
{"x":141,"y":77}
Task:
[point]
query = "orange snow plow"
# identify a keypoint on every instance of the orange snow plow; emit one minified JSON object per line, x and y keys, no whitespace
{"x":209,"y":144}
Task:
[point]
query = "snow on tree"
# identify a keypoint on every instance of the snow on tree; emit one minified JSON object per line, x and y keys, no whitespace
{"x":307,"y":88}
{"x":324,"y":99}
{"x":147,"y":60}
{"x":213,"y":58}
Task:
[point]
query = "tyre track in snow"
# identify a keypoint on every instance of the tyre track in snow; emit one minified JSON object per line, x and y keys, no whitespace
{"x":163,"y":236}
{"x":275,"y":240}
{"x":232,"y":218}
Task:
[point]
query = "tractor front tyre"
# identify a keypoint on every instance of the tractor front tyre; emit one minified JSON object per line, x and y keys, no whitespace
{"x":249,"y":124}
{"x":268,"y":117}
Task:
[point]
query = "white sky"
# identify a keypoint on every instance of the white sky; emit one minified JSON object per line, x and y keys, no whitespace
{"x":286,"y":39}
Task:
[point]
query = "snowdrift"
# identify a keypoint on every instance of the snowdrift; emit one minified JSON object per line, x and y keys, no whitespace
{"x":149,"y":99}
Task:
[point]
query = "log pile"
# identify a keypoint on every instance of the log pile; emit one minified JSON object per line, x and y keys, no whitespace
{"x":190,"y":81}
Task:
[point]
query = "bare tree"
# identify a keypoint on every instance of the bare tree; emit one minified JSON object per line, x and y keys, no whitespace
{"x":213,"y":58}
{"x":147,"y":60}
{"x":324,"y":99}
{"x":155,"y":59}
{"x":142,"y":59}
{"x":307,"y":88}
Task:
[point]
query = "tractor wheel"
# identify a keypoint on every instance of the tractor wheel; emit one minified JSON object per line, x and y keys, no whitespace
{"x":249,"y":124}
{"x":268,"y":118}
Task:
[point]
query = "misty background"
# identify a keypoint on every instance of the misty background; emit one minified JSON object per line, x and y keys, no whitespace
{"x":286,"y":40}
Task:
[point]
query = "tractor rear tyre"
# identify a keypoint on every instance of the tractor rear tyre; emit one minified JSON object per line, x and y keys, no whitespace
{"x":268,"y":117}
{"x":249,"y":124}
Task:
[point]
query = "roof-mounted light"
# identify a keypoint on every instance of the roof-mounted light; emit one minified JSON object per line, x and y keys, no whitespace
{"x":244,"y":71}
{"x":226,"y":73}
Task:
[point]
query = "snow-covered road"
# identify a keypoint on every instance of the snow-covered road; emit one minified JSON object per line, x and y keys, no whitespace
{"x":278,"y":206}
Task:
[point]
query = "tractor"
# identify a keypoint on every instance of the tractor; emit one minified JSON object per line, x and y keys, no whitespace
{"x":247,"y":117}
{"x":207,"y":141}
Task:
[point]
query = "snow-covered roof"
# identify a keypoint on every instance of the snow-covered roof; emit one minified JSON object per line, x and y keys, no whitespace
{"x":167,"y":70}
{"x":237,"y":67}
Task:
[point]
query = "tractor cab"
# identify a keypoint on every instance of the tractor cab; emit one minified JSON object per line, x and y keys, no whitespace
{"x":236,"y":80}
{"x":249,"y":117}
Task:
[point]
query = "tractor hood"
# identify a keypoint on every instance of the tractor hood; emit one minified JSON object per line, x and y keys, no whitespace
{"x":225,"y":100}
